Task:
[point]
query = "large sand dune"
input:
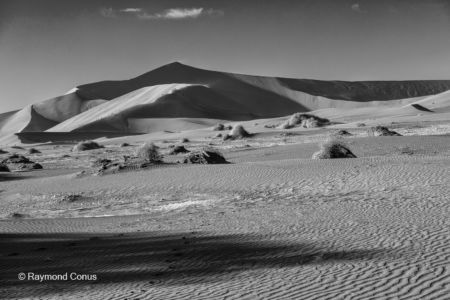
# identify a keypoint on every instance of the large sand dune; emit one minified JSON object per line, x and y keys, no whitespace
{"x":183,"y":92}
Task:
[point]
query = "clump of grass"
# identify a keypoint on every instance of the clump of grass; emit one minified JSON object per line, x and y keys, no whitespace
{"x":33,"y":151}
{"x":124,"y":145}
{"x":238,"y":132}
{"x":178,"y":149}
{"x":205,"y":156}
{"x":333,"y":149}
{"x":185,"y":140}
{"x":304,"y":120}
{"x":219,"y":127}
{"x":383,"y":131}
{"x":149,"y":152}
{"x":4,"y":168}
{"x":87,"y":145}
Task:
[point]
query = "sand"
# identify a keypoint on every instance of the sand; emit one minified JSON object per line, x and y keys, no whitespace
{"x":272,"y":224}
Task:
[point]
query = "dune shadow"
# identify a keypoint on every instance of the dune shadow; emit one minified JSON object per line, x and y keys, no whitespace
{"x":11,"y":177}
{"x":155,"y":258}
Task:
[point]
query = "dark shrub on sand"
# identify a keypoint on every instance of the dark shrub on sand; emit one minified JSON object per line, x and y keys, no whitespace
{"x":178,"y":149}
{"x":343,"y":132}
{"x":149,"y":152}
{"x":124,"y":145}
{"x":238,"y":132}
{"x":219,"y":127}
{"x":185,"y":140}
{"x":333,"y":149}
{"x":101,"y":162}
{"x":16,"y":159}
{"x":33,"y":151}
{"x":304,"y":120}
{"x":383,"y":131}
{"x":4,"y":168}
{"x":205,"y":156}
{"x":87,"y":145}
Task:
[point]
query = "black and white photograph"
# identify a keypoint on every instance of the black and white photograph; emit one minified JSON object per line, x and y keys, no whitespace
{"x":225,"y":149}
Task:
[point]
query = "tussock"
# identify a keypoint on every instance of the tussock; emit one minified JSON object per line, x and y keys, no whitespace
{"x":87,"y":145}
{"x":383,"y":131}
{"x":333,"y":149}
{"x":205,"y":156}
{"x":219,"y":127}
{"x":305,"y":121}
{"x":238,"y":132}
{"x":4,"y":168}
{"x":149,"y":152}
{"x":33,"y":151}
{"x":179,"y":149}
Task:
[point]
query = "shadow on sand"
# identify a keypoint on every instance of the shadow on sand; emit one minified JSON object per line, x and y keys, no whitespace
{"x":154,"y":258}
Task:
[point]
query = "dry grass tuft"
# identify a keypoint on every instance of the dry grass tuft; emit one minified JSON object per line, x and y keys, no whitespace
{"x":149,"y":152}
{"x":334,"y":148}
{"x":87,"y":145}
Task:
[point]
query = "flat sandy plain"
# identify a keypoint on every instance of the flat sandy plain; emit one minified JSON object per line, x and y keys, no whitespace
{"x":273,"y":224}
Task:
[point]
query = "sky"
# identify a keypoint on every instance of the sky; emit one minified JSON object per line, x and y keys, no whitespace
{"x":47,"y":47}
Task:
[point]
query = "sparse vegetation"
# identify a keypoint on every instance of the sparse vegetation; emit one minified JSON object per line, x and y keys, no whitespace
{"x":178,"y":149}
{"x":205,"y":156}
{"x":219,"y":135}
{"x":360,"y":125}
{"x":17,"y":147}
{"x":185,"y":140}
{"x":219,"y":127}
{"x":342,"y":132}
{"x":87,"y":145}
{"x":383,"y":131}
{"x":333,"y":149}
{"x":238,"y":132}
{"x":33,"y":151}
{"x":124,"y":145}
{"x":149,"y":152}
{"x":101,"y":162}
{"x":304,"y":120}
{"x":4,"y":168}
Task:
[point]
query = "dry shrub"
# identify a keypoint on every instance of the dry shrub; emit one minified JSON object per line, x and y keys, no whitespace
{"x":178,"y":149}
{"x":149,"y":152}
{"x":33,"y":151}
{"x":124,"y":145}
{"x":333,"y":149}
{"x":219,"y":127}
{"x":304,"y":120}
{"x":238,"y":132}
{"x":383,"y":131}
{"x":4,"y":168}
{"x":87,"y":145}
{"x":205,"y":156}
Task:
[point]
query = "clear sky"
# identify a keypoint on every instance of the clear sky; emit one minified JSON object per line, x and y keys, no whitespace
{"x":49,"y":46}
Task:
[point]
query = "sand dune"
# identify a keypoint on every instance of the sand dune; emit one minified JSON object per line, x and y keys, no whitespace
{"x":184,"y":92}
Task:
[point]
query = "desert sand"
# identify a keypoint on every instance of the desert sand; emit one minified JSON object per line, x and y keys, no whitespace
{"x":271,"y":224}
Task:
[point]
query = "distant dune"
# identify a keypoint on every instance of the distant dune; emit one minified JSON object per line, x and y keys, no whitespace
{"x":177,"y":91}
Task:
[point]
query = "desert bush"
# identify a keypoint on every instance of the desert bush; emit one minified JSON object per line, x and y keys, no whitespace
{"x":304,"y":120}
{"x":185,"y":140}
{"x":238,"y":132}
{"x":16,"y":159}
{"x":87,"y":145}
{"x":342,"y":132}
{"x":383,"y":131}
{"x":219,"y":135}
{"x":33,"y":151}
{"x":205,"y":156}
{"x":149,"y":152}
{"x":333,"y":149}
{"x":219,"y":127}
{"x":178,"y":149}
{"x":4,"y":168}
{"x":124,"y":145}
